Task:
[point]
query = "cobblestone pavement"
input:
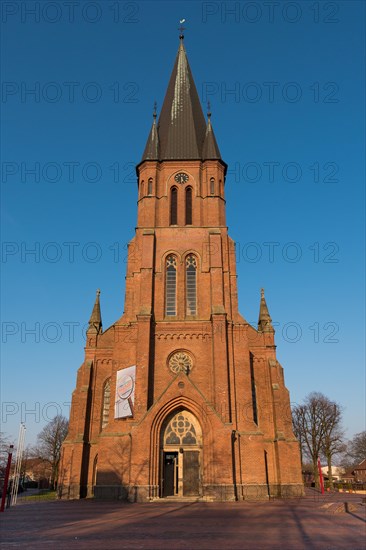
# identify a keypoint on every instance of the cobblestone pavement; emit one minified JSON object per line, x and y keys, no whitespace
{"x":313,"y":522}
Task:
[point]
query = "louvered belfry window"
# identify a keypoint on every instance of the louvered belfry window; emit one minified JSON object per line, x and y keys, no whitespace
{"x":171,"y":286}
{"x":149,"y":186}
{"x":191,"y":285}
{"x":174,"y":206}
{"x":106,"y":402}
{"x":212,"y":186}
{"x":189,"y":206}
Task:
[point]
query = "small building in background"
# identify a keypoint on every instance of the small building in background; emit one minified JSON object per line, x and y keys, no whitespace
{"x":37,"y":471}
{"x":360,"y":472}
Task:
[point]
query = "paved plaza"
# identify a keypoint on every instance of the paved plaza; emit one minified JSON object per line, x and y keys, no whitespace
{"x":313,"y":522}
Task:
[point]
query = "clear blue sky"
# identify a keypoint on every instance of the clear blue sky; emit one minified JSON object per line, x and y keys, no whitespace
{"x":286,"y":86}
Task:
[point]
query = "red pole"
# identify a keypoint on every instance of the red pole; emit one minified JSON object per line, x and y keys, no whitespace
{"x":321,"y":477}
{"x":7,"y":472}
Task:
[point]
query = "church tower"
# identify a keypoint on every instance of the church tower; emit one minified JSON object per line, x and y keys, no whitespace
{"x":180,"y":397}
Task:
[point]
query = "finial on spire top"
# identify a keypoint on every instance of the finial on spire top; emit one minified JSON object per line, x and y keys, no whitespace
{"x":181,"y":29}
{"x":262,"y":292}
{"x":95,"y":321}
{"x":154,"y":112}
{"x":208,"y":109}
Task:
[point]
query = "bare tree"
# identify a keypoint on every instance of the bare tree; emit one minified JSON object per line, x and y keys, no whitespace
{"x":308,"y":429}
{"x":4,"y":449}
{"x":356,"y":450}
{"x":333,"y":435}
{"x":49,"y":442}
{"x":298,"y":421}
{"x":317,"y":425}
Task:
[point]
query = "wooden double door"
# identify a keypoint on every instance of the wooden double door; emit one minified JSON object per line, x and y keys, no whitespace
{"x":181,"y":473}
{"x":181,"y":444}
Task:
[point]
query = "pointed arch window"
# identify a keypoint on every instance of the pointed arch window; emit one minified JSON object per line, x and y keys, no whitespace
{"x":191,"y":285}
{"x":142,"y":188}
{"x":183,"y":429}
{"x":149,"y":186}
{"x":212,"y":186}
{"x":189,"y":206}
{"x":174,"y":206}
{"x":106,"y":403}
{"x":254,"y":390}
{"x":171,"y":286}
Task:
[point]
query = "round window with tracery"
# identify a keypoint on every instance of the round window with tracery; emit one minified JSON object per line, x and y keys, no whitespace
{"x":180,"y":362}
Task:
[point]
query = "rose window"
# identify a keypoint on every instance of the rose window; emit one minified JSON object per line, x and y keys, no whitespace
{"x":180,"y":362}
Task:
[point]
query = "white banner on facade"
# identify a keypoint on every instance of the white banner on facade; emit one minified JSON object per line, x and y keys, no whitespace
{"x":125,"y":392}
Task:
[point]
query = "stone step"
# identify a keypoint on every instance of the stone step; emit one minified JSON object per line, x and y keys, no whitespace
{"x":182,"y":499}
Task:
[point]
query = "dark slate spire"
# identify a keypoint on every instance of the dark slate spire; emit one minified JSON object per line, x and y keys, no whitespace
{"x":181,"y":131}
{"x":210,"y":149}
{"x":95,"y":321}
{"x":264,"y":320}
{"x":152,"y":144}
{"x":182,"y":125}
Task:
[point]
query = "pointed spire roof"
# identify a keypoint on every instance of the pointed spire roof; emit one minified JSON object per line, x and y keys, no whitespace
{"x":95,"y":321}
{"x":210,"y":149}
{"x":264,"y":320}
{"x":151,"y":148}
{"x":182,"y":125}
{"x":181,"y":132}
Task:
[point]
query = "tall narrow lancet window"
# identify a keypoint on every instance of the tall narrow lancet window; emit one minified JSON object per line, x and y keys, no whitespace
{"x":171,"y":286}
{"x":189,"y":206}
{"x":212,"y":186}
{"x":254,"y":390}
{"x":149,"y":186}
{"x":106,"y":402}
{"x":191,"y":285}
{"x":174,"y":206}
{"x":95,"y":470}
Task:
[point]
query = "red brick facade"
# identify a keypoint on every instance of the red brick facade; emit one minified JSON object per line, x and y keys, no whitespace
{"x":224,"y":393}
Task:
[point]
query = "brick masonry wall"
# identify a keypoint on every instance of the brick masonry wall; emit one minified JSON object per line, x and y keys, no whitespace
{"x":126,"y":454}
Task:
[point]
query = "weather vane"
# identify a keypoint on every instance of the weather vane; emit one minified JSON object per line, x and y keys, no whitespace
{"x":181,"y":28}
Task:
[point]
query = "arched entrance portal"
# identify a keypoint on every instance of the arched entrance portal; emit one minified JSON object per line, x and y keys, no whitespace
{"x":181,"y":447}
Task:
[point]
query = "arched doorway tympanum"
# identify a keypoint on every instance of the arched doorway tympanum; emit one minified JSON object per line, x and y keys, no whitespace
{"x":181,"y":447}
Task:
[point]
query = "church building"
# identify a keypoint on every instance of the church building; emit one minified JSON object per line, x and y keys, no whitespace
{"x":181,"y":397}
